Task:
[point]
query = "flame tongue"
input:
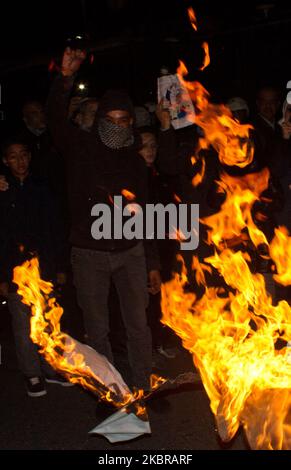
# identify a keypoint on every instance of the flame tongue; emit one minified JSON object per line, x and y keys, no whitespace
{"x":192,"y":18}
{"x":235,"y":214}
{"x":207,"y":56}
{"x":226,"y":135}
{"x":128,"y":194}
{"x":280,"y":251}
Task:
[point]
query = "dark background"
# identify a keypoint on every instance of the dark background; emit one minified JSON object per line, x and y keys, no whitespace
{"x":131,"y":39}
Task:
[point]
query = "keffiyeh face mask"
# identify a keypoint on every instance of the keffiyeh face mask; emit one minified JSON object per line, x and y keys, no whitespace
{"x":113,"y":136}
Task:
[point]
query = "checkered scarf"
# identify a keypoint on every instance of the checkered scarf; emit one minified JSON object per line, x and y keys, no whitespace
{"x":113,"y":136}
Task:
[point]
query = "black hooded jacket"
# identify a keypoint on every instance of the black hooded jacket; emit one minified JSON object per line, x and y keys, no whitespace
{"x":95,"y":172}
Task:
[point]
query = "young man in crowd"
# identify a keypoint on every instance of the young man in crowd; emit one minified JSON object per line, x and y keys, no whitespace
{"x":267,"y":132}
{"x":30,"y":226}
{"x":85,"y":113}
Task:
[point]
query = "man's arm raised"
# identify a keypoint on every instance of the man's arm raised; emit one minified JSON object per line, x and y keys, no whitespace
{"x":63,"y":132}
{"x":72,"y":60}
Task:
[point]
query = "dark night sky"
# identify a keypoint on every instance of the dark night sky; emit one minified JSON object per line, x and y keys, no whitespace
{"x":247,"y":47}
{"x":35,"y":26}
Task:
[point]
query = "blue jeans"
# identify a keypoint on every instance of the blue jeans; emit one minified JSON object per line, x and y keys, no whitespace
{"x":30,"y":362}
{"x":93,"y":272}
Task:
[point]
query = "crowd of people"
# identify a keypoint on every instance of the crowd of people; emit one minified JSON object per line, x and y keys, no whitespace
{"x":73,"y":153}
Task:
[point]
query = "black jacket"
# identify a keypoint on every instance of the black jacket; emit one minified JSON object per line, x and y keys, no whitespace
{"x":268,"y":142}
{"x":46,"y":163}
{"x":30,"y":225}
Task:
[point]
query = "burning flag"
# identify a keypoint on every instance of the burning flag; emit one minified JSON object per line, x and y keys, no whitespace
{"x":79,"y":363}
{"x":82,"y":365}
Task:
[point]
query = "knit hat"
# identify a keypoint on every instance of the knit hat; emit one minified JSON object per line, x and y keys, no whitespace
{"x":238,"y":104}
{"x":115,"y":100}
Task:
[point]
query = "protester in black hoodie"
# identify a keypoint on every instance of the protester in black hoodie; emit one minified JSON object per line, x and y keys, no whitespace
{"x":100,"y":165}
{"x":267,"y":132}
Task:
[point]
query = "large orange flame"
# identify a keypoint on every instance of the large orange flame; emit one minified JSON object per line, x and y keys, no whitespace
{"x":237,"y":336}
{"x":232,"y":334}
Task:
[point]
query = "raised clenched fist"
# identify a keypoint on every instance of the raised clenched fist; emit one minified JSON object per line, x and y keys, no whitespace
{"x":72,"y":60}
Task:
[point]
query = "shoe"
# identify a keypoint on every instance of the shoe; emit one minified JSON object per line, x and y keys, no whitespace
{"x":60,"y":380}
{"x":169,"y":353}
{"x":35,"y":387}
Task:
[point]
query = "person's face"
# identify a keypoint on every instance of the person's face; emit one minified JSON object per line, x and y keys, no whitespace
{"x":120,"y":118}
{"x":17,"y":158}
{"x":34,"y":116}
{"x":85,"y":118}
{"x":268,"y":104}
{"x":149,"y":148}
